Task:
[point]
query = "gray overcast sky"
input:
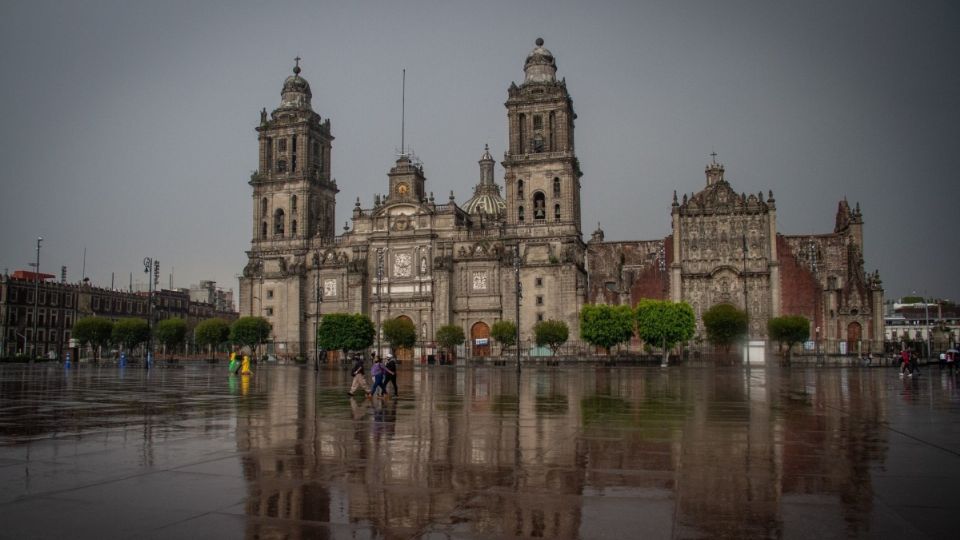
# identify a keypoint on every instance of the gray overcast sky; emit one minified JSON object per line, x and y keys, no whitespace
{"x":128,"y":127}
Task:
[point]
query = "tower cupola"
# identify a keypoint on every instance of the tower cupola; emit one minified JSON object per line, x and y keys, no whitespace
{"x":296,"y":92}
{"x":540,"y":66}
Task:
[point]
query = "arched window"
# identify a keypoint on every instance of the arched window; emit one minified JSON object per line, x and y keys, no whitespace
{"x":522,"y":133}
{"x":278,"y":224}
{"x":538,"y":143}
{"x":263,"y":207}
{"x":293,"y":203}
{"x":520,"y":189}
{"x":556,"y":212}
{"x":539,"y":206}
{"x":293,"y":226}
{"x":263,"y":230}
{"x":552,"y":128}
{"x":281,"y":166}
{"x":520,"y":214}
{"x":556,"y":187}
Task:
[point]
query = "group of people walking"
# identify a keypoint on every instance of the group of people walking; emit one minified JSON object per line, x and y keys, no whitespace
{"x":383,"y":373}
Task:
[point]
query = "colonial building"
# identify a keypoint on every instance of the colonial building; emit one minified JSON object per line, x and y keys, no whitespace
{"x":438,"y":263}
{"x":44,"y":323}
{"x":725,"y":248}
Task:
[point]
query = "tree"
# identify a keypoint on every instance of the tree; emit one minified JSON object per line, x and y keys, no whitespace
{"x":345,"y":332}
{"x":662,"y":323}
{"x":400,"y":333}
{"x":606,"y":326}
{"x":211,"y":333}
{"x":724,"y":324}
{"x":551,"y":333}
{"x":130,"y":333}
{"x":250,"y":331}
{"x":450,"y":336}
{"x":95,"y":331}
{"x":505,"y":332}
{"x":171,"y":332}
{"x":789,"y":330}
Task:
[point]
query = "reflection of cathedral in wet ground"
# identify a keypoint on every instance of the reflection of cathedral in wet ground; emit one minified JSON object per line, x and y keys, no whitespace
{"x":701,"y":455}
{"x":436,"y":263}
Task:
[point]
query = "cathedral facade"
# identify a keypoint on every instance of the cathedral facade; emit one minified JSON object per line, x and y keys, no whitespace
{"x":438,"y":263}
{"x":432,"y":262}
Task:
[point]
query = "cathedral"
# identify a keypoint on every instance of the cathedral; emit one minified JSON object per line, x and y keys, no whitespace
{"x":437,"y":263}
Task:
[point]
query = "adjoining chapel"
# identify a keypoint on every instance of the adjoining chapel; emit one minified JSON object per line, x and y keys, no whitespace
{"x":437,"y":262}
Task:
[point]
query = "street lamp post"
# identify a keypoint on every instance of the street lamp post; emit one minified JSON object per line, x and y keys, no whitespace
{"x":746,"y":301}
{"x":379,"y":298}
{"x":516,"y":271}
{"x":316,"y":324}
{"x":150,"y":264}
{"x":36,"y":297}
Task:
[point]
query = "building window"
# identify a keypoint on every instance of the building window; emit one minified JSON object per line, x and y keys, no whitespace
{"x":556,"y":187}
{"x":269,"y":293}
{"x":538,"y":143}
{"x":96,"y":302}
{"x":553,"y":126}
{"x":539,"y":300}
{"x":539,"y":317}
{"x":282,"y":145}
{"x":69,"y":300}
{"x":269,"y":312}
{"x":520,"y":188}
{"x":293,"y":228}
{"x":278,"y":222}
{"x":522,"y":133}
{"x":68,"y":320}
{"x":40,"y":336}
{"x":520,"y":214}
{"x":293,"y":203}
{"x":53,"y":318}
{"x":539,"y":206}
{"x":556,"y":212}
{"x":263,"y":230}
{"x":53,"y":336}
{"x":281,"y":165}
{"x":537,"y":121}
{"x":539,"y":282}
{"x":263,"y":206}
{"x":43,"y":298}
{"x":42,"y":317}
{"x":29,"y":297}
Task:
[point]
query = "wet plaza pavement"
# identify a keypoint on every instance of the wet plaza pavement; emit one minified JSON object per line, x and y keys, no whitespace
{"x":475,"y":452}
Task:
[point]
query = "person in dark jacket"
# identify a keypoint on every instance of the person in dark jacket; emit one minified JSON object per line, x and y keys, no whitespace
{"x":359,"y":381}
{"x":390,"y":375}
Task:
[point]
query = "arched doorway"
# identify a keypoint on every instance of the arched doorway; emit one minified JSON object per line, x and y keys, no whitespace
{"x":854,"y":331}
{"x":480,"y":339}
{"x":405,"y":354}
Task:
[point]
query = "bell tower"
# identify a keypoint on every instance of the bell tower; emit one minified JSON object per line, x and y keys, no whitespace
{"x":293,"y":192}
{"x":542,"y":171}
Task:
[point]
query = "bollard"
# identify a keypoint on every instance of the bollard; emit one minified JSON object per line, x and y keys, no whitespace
{"x":123,"y":359}
{"x":66,"y":364}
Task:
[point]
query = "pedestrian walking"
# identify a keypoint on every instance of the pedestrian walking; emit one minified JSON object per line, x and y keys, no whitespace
{"x":914,"y":365}
{"x":904,"y":362}
{"x":359,"y":381}
{"x":377,"y":372}
{"x":390,"y":367}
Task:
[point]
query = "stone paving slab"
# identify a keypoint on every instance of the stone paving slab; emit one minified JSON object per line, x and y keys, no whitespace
{"x":475,"y":452}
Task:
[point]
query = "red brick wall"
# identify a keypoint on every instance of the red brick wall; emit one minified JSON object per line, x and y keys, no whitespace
{"x":798,"y":287}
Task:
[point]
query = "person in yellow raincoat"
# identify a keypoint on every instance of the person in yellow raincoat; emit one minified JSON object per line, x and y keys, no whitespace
{"x":245,"y":367}
{"x":234,"y":365}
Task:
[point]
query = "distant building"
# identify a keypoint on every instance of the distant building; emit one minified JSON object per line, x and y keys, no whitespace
{"x":208,"y":292}
{"x":912,"y":325}
{"x":59,"y":305}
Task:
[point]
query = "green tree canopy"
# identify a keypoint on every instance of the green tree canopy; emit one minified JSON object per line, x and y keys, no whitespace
{"x":400,"y":333}
{"x":450,"y":336}
{"x":789,"y":330}
{"x":211,"y":332}
{"x":551,"y":333}
{"x":345,"y":332}
{"x":130,"y":332}
{"x":95,"y":331}
{"x":606,"y":326}
{"x":505,"y":332}
{"x":662,"y":323}
{"x":725,"y":324}
{"x":250,"y":331}
{"x":171,"y":332}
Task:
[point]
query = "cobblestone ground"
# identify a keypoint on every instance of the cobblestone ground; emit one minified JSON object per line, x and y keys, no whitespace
{"x":579,"y":452}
